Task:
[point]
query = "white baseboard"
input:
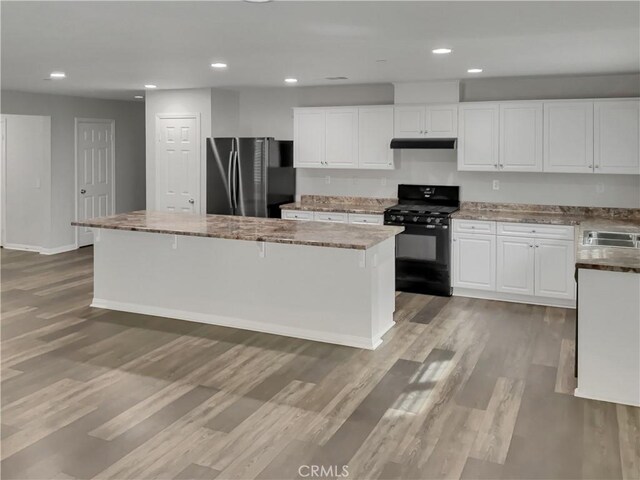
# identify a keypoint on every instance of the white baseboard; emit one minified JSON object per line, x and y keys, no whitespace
{"x":22,"y":248}
{"x":514,"y":298}
{"x":212,"y":319}
{"x":62,"y":249}
{"x":606,"y":398}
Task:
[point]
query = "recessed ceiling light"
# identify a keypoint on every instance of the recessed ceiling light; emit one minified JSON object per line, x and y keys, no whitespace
{"x":474,"y":70}
{"x":441,"y":51}
{"x":138,"y":96}
{"x":57,"y":75}
{"x":150,"y":86}
{"x":291,"y":80}
{"x":336,"y":78}
{"x":219,"y":65}
{"x":382,"y":60}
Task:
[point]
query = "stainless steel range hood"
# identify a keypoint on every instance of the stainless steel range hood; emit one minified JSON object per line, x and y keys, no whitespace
{"x":424,"y":143}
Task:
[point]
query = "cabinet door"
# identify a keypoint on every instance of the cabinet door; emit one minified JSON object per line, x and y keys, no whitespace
{"x":521,"y":137}
{"x":409,"y":121}
{"x":309,"y":137}
{"x":341,"y":137}
{"x":441,"y":121}
{"x":554,"y":268}
{"x":478,"y":137}
{"x":375,"y":131}
{"x":474,"y":261}
{"x":515,"y":265}
{"x":568,"y":137}
{"x":616,"y":136}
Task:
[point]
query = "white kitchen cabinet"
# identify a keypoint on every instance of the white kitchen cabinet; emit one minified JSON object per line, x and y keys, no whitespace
{"x":474,"y":261}
{"x":478,"y":136}
{"x":409,"y":121}
{"x":366,"y":219}
{"x":341,"y":137}
{"x":515,"y":272}
{"x":375,"y":132}
{"x":616,"y":136}
{"x":521,"y":137}
{"x":332,"y":217}
{"x":568,"y":137}
{"x":309,"y":137}
{"x":554,"y":268}
{"x":426,"y":121}
{"x":296,"y":215}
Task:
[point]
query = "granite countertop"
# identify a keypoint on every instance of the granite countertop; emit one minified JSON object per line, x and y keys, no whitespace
{"x":617,"y":259}
{"x":325,"y":203}
{"x":320,"y":234}
{"x":585,"y":218}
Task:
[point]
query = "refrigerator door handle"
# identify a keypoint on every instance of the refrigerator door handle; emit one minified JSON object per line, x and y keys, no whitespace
{"x":238,"y":174}
{"x":230,"y":188}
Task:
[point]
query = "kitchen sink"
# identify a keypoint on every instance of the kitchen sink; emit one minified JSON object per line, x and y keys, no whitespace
{"x":611,"y":239}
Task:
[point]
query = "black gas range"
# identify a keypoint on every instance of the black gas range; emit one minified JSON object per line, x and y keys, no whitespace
{"x":423,"y":250}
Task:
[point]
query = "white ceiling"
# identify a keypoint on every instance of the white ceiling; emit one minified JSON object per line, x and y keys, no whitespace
{"x":111,"y":49}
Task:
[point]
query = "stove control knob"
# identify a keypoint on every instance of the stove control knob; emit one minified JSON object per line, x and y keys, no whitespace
{"x":392,"y":218}
{"x":416,"y":219}
{"x":429,"y":220}
{"x":400,"y":218}
{"x":438,"y":220}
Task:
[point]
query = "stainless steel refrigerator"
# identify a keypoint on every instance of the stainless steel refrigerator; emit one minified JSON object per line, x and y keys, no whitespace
{"x":250,"y":177}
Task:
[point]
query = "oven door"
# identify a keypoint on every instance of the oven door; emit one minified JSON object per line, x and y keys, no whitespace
{"x":422,"y":259}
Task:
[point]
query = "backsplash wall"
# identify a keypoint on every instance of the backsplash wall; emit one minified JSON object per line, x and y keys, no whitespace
{"x":438,"y":167}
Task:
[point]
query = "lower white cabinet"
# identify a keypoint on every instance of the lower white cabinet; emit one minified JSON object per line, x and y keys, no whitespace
{"x":522,"y":266}
{"x":515,"y":272}
{"x":333,"y":217}
{"x":474,"y":261}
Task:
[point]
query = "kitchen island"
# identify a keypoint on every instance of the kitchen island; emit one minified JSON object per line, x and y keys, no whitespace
{"x":318,"y":281}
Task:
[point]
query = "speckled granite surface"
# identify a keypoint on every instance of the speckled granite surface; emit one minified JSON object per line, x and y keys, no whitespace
{"x":586,"y":218}
{"x":271,"y":230}
{"x":327,"y":203}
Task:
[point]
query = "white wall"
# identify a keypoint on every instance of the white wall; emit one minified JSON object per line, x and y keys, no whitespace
{"x":427,"y":92}
{"x":196,"y":100}
{"x":129,"y":152}
{"x":27,"y":170}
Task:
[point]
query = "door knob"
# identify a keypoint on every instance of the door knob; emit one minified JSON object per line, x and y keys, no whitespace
{"x":83,"y":191}
{"x":191,"y":201}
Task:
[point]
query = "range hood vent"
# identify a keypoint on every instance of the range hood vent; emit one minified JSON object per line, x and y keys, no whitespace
{"x":424,"y":143}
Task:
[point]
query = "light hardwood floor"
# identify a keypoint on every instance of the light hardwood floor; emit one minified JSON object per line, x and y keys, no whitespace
{"x":460,"y":388}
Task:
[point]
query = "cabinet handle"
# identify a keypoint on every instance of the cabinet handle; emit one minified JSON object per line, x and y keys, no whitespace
{"x":590,"y":166}
{"x":495,"y":165}
{"x":537,"y":246}
{"x":597,"y":166}
{"x":455,"y":239}
{"x":501,"y":165}
{"x":533,"y":231}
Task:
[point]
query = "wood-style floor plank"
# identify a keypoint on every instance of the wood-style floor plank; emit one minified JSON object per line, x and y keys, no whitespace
{"x":460,"y":388}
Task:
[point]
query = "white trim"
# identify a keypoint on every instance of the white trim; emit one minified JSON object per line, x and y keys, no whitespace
{"x":56,"y":250}
{"x":3,"y":180}
{"x":77,"y":121}
{"x":606,"y":398}
{"x":514,"y":298}
{"x":201,"y":154}
{"x":21,"y":247}
{"x":212,"y":319}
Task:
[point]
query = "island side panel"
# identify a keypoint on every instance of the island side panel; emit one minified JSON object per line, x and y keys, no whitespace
{"x":609,"y":336}
{"x":332,"y":295}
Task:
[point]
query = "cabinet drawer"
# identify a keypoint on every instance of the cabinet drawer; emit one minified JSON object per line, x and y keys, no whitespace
{"x":560,"y":232}
{"x":474,"y":226}
{"x":296,"y":215}
{"x":366,"y":219}
{"x":336,"y":217}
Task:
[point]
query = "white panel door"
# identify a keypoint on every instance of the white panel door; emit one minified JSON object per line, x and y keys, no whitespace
{"x":375,"y":131}
{"x":409,"y":121}
{"x":521,"y":137}
{"x":178,"y":163}
{"x":515,"y":265}
{"x":95,"y":168}
{"x":441,"y":121}
{"x":554,"y":268}
{"x":616,"y":136}
{"x":341,"y":141}
{"x":309,"y":137}
{"x":3,"y":136}
{"x":568,"y":137}
{"x":474,"y":261}
{"x":478,"y":136}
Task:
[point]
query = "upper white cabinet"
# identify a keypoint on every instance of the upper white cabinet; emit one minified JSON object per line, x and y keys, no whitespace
{"x":568,"y":137}
{"x":375,"y":131}
{"x":478,"y":139}
{"x":309,"y":134}
{"x":616,"y":136}
{"x":343,"y":137}
{"x":521,"y":137}
{"x":426,"y":121}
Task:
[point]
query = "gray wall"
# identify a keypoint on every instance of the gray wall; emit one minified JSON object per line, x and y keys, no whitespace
{"x":129,"y":151}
